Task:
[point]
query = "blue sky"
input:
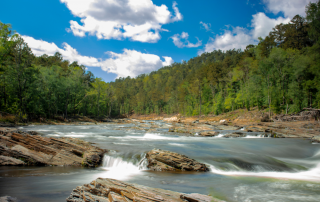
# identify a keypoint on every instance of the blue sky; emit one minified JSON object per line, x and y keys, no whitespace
{"x":119,"y":38}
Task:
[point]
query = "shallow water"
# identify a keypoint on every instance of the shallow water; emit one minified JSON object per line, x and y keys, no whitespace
{"x":241,"y":169}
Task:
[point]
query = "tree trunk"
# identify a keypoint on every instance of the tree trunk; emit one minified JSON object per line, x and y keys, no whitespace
{"x":110,"y":109}
{"x":199,"y":100}
{"x":66,"y":106}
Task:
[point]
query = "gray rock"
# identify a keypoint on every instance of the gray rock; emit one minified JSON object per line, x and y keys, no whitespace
{"x":161,"y":160}
{"x":7,"y":199}
{"x":236,"y":134}
{"x":315,"y":139}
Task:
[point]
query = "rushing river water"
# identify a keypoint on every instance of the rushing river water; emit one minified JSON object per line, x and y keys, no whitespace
{"x":241,"y":169}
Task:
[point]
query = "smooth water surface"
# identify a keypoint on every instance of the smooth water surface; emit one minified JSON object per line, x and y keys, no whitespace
{"x":241,"y":169}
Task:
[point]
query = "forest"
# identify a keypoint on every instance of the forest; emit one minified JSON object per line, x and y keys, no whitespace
{"x":281,"y":74}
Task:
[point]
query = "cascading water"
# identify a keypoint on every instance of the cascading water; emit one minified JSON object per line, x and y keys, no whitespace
{"x":312,"y":174}
{"x":266,"y":169}
{"x":118,"y":168}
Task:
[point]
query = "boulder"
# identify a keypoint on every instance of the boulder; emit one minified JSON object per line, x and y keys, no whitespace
{"x":236,"y":134}
{"x":315,"y":139}
{"x":34,"y":149}
{"x":161,"y":160}
{"x":110,"y":190}
{"x":209,"y":134}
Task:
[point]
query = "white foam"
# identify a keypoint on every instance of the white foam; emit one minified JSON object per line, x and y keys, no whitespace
{"x":254,"y":136}
{"x":120,"y":143}
{"x":75,"y":136}
{"x":147,"y":136}
{"x":310,"y":175}
{"x":177,"y":144}
{"x":54,"y":135}
{"x":119,"y":169}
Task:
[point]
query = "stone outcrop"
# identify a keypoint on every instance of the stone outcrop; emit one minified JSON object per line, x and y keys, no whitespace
{"x":33,"y":149}
{"x":209,"y":133}
{"x":110,"y":190}
{"x":315,"y":139}
{"x":161,"y":160}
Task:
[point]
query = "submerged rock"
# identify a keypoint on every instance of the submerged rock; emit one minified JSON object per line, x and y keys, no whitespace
{"x":236,"y":134}
{"x":33,"y":149}
{"x":161,"y":160}
{"x":110,"y":190}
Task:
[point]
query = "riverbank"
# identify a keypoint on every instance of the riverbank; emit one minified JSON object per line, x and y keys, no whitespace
{"x":248,"y":121}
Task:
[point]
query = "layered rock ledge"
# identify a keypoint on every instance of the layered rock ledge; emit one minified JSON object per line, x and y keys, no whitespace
{"x":30,"y":148}
{"x":161,"y":160}
{"x":110,"y":190}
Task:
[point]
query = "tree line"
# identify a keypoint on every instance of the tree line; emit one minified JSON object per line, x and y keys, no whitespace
{"x":281,"y":75}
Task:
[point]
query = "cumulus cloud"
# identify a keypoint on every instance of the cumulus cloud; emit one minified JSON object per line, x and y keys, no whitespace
{"x":40,"y":47}
{"x":128,"y":63}
{"x":118,"y":19}
{"x":290,"y":8}
{"x":262,"y":24}
{"x":181,"y":41}
{"x":206,"y":26}
{"x":241,"y":37}
{"x":132,"y":63}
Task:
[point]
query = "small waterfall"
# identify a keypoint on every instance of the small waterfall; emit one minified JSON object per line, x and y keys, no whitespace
{"x":118,"y":163}
{"x":118,"y":168}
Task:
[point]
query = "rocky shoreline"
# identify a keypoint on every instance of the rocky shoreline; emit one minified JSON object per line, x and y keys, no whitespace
{"x":18,"y":148}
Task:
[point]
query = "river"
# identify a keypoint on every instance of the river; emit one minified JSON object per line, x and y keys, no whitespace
{"x":254,"y":168}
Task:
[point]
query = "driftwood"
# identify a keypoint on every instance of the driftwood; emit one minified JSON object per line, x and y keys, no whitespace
{"x":309,"y":114}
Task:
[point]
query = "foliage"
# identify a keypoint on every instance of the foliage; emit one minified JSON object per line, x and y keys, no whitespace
{"x":280,"y":74}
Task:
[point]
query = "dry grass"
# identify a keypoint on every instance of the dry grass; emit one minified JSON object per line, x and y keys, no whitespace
{"x":8,"y":118}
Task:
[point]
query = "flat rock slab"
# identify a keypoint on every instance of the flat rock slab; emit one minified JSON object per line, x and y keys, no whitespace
{"x":18,"y":147}
{"x":110,"y":190}
{"x":209,"y":133}
{"x":161,"y":160}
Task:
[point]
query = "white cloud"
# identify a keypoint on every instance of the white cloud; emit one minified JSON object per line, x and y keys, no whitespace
{"x":238,"y":38}
{"x":132,"y":63}
{"x":206,"y":26}
{"x":241,"y":37}
{"x":129,"y":63}
{"x":182,"y":41}
{"x":262,"y":24}
{"x":40,"y":47}
{"x":118,"y":19}
{"x":290,"y":8}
